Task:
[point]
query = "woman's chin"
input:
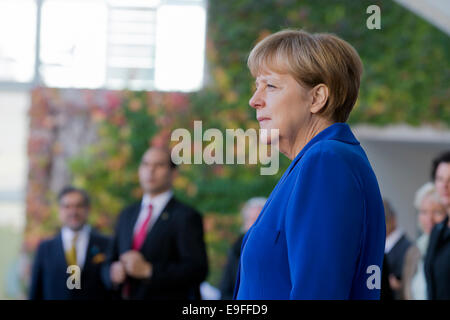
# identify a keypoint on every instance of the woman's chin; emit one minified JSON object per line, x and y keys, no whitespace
{"x":269,"y":136}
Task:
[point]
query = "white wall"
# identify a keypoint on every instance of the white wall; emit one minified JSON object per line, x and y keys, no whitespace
{"x":13,"y":173}
{"x":13,"y":159}
{"x":401,"y":168}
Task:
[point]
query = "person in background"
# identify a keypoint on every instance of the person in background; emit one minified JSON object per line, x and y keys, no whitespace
{"x":78,"y":244}
{"x":430,"y":212}
{"x":397,"y":243}
{"x":437,"y":261}
{"x":158,"y":249}
{"x":249,"y":212}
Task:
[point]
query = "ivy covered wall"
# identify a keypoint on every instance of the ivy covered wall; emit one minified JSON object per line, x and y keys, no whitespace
{"x":406,"y":63}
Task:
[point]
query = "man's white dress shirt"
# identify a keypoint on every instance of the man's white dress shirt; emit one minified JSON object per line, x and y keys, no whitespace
{"x":158,"y":202}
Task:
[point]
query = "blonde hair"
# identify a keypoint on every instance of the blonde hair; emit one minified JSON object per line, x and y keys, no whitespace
{"x":313,"y":59}
{"x":427,"y":190}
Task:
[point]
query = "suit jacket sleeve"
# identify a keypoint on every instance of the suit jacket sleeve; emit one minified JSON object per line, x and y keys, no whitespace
{"x":324,"y":223}
{"x":36,"y":275}
{"x":192,"y":266}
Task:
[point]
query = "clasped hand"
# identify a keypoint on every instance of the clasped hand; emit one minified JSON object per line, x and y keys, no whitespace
{"x":131,"y":263}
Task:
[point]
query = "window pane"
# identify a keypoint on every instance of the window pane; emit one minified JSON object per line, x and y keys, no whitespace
{"x":73,"y":43}
{"x":139,"y":45}
{"x":17,"y":40}
{"x":180,"y":43}
{"x":131,"y":47}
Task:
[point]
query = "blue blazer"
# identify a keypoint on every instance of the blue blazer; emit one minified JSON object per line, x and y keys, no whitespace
{"x":321,"y":232}
{"x":49,"y":274}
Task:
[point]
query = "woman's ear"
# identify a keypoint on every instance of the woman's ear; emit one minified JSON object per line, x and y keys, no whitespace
{"x":319,"y":97}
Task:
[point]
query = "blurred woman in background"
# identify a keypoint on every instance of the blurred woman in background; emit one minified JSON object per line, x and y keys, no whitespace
{"x":430,"y":212}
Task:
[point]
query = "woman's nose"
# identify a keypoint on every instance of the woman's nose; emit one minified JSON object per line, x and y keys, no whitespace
{"x":256,"y":101}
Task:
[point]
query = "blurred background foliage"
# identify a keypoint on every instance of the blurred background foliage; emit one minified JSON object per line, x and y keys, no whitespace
{"x":406,"y":80}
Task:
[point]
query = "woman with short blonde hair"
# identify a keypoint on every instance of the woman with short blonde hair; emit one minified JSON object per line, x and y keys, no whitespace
{"x":430,"y":211}
{"x":321,"y":233}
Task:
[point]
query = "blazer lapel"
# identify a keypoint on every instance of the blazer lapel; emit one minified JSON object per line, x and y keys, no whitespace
{"x":129,"y":229}
{"x":87,"y":259}
{"x":431,"y":251}
{"x":60,"y":255}
{"x":160,"y":223}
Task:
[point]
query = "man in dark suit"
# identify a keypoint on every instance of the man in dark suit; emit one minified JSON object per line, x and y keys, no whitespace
{"x":158,"y":251}
{"x":68,"y":266}
{"x":397,"y":243}
{"x":437,"y":260}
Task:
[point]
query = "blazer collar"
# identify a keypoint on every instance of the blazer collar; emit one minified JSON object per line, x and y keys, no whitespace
{"x":61,"y":253}
{"x":60,"y":256}
{"x":337,"y":131}
{"x":160,"y":222}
